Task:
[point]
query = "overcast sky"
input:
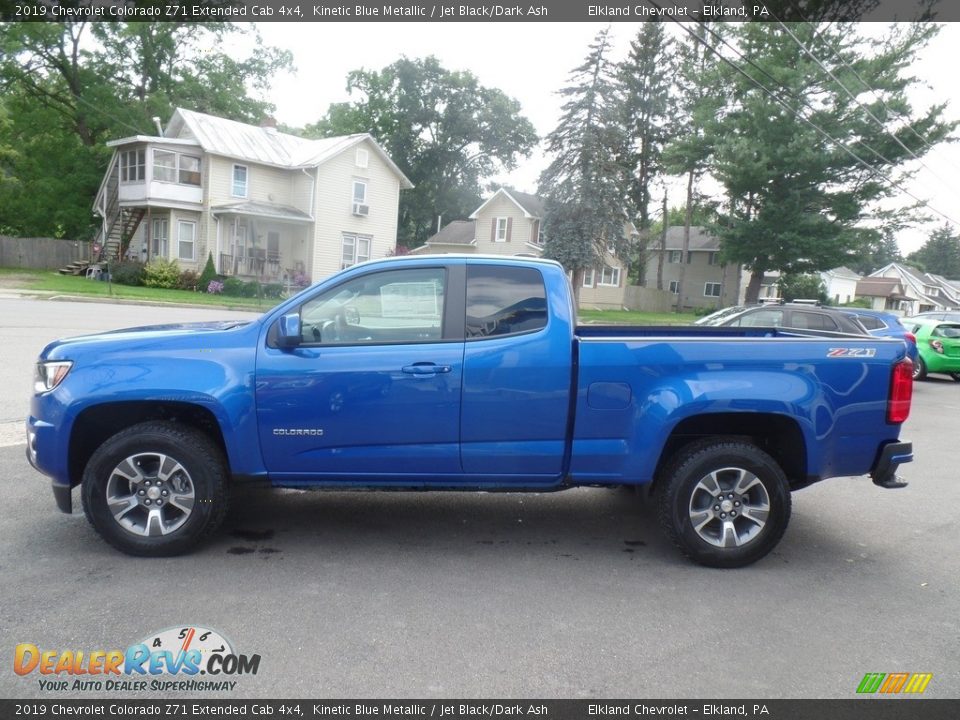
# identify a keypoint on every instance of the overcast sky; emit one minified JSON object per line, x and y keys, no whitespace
{"x":531,"y":61}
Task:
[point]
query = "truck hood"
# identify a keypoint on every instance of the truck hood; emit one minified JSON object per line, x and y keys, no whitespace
{"x":149,"y":337}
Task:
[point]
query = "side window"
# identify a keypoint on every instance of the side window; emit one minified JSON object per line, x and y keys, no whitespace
{"x":813,"y":321}
{"x":504,"y":301}
{"x":396,"y":306}
{"x":870,"y":323}
{"x":763,"y":318}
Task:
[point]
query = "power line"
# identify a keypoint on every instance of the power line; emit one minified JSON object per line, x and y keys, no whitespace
{"x":853,"y":97}
{"x":796,"y":113}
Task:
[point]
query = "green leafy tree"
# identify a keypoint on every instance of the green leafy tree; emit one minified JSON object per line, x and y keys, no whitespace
{"x":798,"y":193}
{"x":940,"y":254}
{"x":802,"y":286}
{"x":879,"y":248}
{"x":68,"y":87}
{"x":585,"y":185}
{"x":443,"y":129}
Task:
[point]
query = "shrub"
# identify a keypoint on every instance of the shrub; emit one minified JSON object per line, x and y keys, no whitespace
{"x":233,"y":287}
{"x":273,"y":290}
{"x":162,"y":274}
{"x":188,"y":280}
{"x":215,"y":287}
{"x":249,"y":289}
{"x":209,"y":272}
{"x":127,"y":273}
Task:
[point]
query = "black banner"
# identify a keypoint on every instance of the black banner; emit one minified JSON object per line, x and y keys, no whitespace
{"x":854,"y":709}
{"x":460,"y":10}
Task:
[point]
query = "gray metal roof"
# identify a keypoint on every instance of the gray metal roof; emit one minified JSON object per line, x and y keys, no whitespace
{"x":280,"y":212}
{"x":265,"y":145}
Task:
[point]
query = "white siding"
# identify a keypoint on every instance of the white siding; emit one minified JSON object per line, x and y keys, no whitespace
{"x":334,"y":209}
{"x":520,"y":230}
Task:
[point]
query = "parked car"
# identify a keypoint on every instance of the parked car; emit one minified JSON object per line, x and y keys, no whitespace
{"x":716,"y":316}
{"x":938,"y":345}
{"x":884,"y":324}
{"x":793,"y":316}
{"x":937,"y":315}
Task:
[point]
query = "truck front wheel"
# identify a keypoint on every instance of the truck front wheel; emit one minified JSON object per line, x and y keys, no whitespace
{"x":724,"y":502}
{"x":155,"y":489}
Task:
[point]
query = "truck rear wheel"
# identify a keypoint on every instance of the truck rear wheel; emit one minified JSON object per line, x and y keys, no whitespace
{"x":155,"y":489}
{"x":724,"y":502}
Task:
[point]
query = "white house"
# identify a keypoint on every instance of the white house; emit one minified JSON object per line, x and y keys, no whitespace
{"x":922,"y":291}
{"x":265,"y":204}
{"x":840,"y":284}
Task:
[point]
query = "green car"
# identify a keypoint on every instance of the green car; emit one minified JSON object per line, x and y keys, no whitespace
{"x":938,"y":345}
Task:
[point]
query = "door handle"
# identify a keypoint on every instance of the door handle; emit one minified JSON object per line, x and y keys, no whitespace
{"x":425,"y":368}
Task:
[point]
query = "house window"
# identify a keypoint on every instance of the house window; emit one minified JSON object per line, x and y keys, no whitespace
{"x":675,"y":256}
{"x":159,"y":237}
{"x":363,"y":158}
{"x":610,"y":276}
{"x":188,"y":171}
{"x":164,"y":166}
{"x":501,"y":230}
{"x":239,"y":181}
{"x":360,"y":205}
{"x":356,"y":249}
{"x":712,"y":289}
{"x":675,"y":287}
{"x":713,"y":258}
{"x":132,"y":166}
{"x":186,"y":240}
{"x":541,"y":238}
{"x":588,"y":278}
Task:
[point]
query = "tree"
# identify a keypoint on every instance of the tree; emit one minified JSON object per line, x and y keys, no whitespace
{"x":802,"y":286}
{"x":68,"y":87}
{"x":647,"y":119}
{"x":444,"y":130}
{"x":940,"y":254}
{"x":801,"y":160}
{"x":879,"y":248}
{"x":585,"y":186}
{"x":692,"y":147}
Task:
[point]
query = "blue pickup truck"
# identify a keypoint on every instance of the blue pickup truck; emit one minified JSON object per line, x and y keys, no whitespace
{"x":461,"y":373}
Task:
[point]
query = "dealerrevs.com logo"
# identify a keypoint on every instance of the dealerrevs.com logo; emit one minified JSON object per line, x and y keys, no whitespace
{"x":188,"y":658}
{"x":894,"y":683}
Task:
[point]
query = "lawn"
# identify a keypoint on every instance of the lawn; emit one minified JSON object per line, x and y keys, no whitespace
{"x":633,"y":317}
{"x":73,"y":285}
{"x":48,"y":281}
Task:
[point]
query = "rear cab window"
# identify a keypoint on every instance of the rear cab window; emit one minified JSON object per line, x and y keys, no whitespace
{"x":504,"y":300}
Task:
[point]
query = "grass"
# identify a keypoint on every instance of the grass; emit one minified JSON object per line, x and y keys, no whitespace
{"x":634,"y":317}
{"x":47,"y":281}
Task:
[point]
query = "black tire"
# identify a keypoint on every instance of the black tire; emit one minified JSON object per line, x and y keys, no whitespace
{"x":197,"y":477}
{"x":955,"y":376}
{"x":685,"y":495}
{"x":919,"y":369}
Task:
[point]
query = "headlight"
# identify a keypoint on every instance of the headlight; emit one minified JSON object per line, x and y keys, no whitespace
{"x":50,"y":374}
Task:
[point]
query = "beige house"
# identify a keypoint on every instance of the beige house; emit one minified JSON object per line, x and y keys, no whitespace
{"x":706,"y":282}
{"x":510,"y":222}
{"x":265,"y":204}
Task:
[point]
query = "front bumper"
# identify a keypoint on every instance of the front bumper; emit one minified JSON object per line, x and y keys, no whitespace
{"x":42,"y":438}
{"x":884,"y":472}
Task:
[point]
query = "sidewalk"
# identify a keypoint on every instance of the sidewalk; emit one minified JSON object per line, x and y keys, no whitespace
{"x":12,"y":293}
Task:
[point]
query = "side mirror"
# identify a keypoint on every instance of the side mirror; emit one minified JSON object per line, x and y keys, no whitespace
{"x":288,"y":331}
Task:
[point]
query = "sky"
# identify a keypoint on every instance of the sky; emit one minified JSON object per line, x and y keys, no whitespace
{"x":531,"y":61}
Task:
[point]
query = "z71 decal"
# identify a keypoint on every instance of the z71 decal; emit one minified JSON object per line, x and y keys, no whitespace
{"x":857,"y":352}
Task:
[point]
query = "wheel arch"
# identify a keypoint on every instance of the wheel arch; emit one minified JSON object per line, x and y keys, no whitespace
{"x":779,"y":436}
{"x":94,"y":425}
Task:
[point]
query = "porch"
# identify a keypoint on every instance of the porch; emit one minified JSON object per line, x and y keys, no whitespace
{"x":273,"y":245}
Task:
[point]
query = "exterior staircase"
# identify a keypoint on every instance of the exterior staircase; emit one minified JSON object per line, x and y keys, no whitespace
{"x":119,"y":223}
{"x":77,"y":267}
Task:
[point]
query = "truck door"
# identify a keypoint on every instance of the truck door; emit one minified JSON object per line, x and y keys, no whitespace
{"x":516,"y":376}
{"x":372,"y":393}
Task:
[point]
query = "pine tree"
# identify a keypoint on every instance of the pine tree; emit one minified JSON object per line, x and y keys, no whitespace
{"x":940,"y":254}
{"x":648,"y":121}
{"x":585,"y":185}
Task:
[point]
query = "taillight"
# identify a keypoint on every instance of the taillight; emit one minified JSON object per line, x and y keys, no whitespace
{"x":910,"y":337}
{"x":937,"y":345}
{"x":901,"y":392}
